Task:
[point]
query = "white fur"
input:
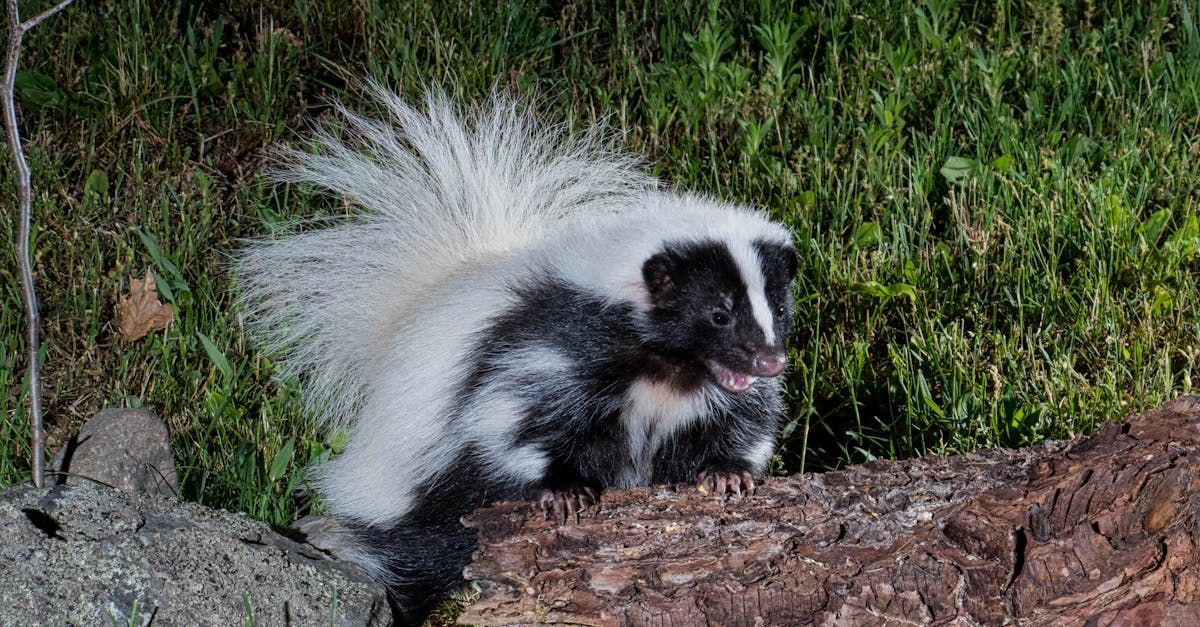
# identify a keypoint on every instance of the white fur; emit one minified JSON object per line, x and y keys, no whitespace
{"x":401,"y":430}
{"x":376,"y":314}
{"x":433,"y":189}
{"x":652,"y":412}
{"x":760,"y":454}
{"x":526,"y":463}
{"x":496,"y":411}
{"x":606,"y":252}
{"x":750,"y":268}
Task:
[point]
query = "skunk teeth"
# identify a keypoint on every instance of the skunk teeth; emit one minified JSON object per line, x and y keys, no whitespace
{"x":730,"y":380}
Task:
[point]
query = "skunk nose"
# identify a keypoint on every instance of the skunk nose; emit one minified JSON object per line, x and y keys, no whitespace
{"x":767,"y":365}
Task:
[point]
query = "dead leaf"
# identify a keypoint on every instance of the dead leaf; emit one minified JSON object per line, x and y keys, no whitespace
{"x":141,"y":312}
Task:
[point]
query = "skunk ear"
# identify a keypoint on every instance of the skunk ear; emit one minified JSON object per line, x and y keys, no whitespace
{"x":792,"y":260}
{"x":779,"y":261}
{"x":657,"y":273}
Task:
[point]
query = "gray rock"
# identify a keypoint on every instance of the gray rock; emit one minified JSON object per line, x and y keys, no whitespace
{"x":83,"y":554}
{"x":325,"y":534}
{"x":127,"y":449}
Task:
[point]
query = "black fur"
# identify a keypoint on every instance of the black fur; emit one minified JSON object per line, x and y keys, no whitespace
{"x":702,"y":309}
{"x":610,"y":347}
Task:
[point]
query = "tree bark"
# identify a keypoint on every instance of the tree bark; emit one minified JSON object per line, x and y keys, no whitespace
{"x":1102,"y":530}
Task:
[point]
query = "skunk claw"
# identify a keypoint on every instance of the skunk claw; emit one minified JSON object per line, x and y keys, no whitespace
{"x":566,"y":504}
{"x":726,"y":483}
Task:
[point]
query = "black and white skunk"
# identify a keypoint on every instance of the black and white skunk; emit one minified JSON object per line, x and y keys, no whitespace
{"x":511,"y":313}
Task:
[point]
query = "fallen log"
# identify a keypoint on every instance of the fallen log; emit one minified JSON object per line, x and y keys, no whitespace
{"x":1101,"y":530}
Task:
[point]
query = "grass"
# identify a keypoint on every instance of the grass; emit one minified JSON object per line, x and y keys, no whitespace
{"x":996,"y":203}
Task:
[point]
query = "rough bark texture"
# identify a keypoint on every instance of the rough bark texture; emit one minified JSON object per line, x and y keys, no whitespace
{"x":1102,"y":530}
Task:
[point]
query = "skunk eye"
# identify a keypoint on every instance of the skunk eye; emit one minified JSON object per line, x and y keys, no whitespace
{"x":721,"y":319}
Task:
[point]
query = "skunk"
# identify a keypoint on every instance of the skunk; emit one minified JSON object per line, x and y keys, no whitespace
{"x":510,"y":312}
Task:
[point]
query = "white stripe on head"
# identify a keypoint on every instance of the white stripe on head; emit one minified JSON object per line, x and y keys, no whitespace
{"x":750,"y":267}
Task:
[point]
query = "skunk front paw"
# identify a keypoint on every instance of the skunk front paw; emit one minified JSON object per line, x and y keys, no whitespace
{"x":568,"y":502}
{"x":721,"y":483}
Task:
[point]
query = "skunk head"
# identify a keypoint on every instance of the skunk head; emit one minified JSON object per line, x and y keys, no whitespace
{"x":726,"y":305}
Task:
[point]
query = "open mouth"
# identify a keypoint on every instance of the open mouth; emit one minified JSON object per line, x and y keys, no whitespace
{"x":729,"y":380}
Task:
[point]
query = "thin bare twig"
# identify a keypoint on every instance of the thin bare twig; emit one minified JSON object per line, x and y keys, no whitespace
{"x":16,"y":33}
{"x":28,"y":24}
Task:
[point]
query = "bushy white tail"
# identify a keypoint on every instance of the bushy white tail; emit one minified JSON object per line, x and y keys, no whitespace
{"x":433,"y":189}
